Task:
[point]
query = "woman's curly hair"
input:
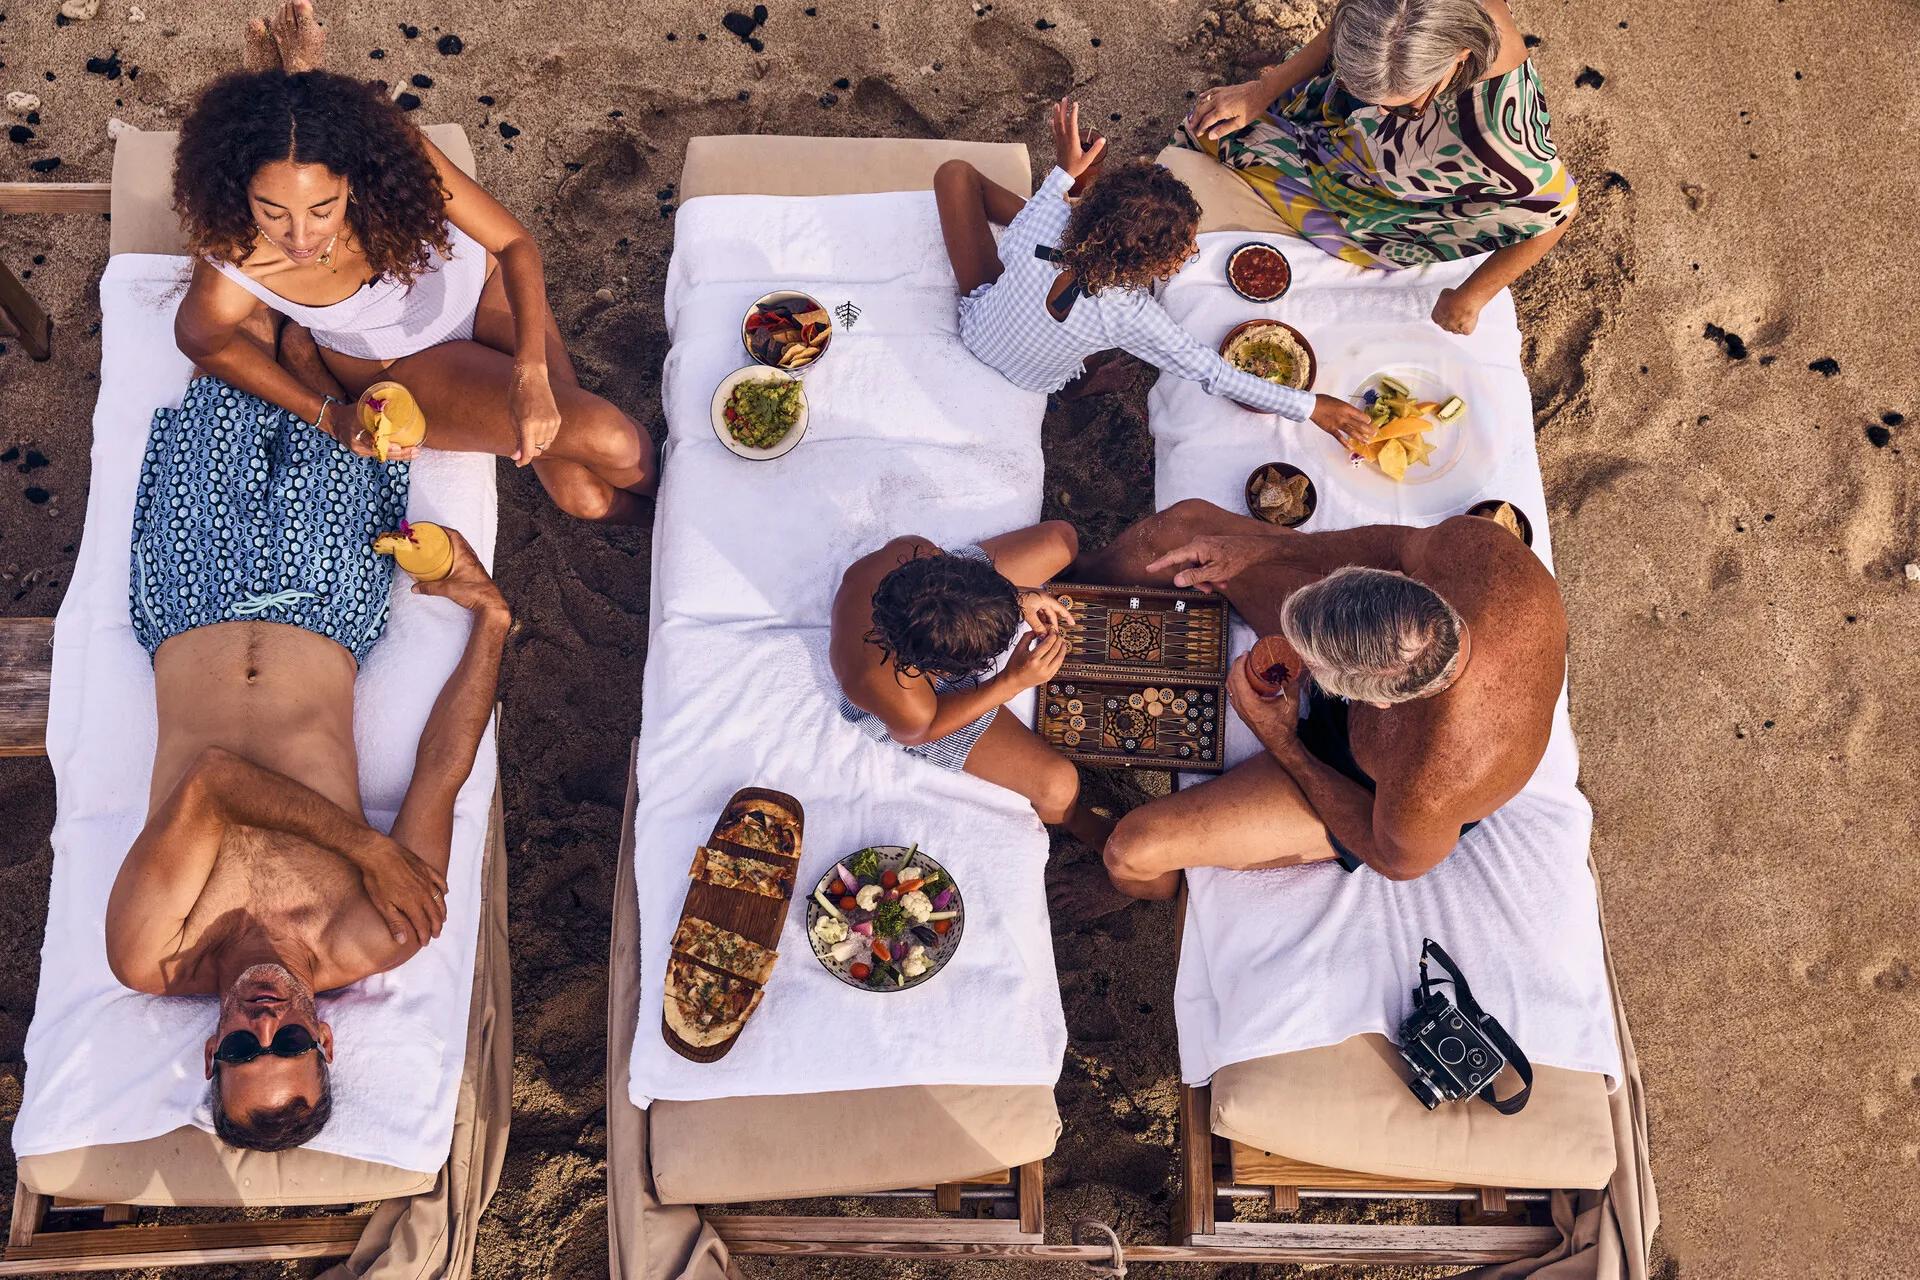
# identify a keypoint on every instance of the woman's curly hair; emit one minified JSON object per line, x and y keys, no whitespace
{"x":247,"y":120}
{"x":944,"y":615}
{"x":1131,"y":229}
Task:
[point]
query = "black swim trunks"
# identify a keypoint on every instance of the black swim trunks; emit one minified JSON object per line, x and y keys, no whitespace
{"x":1324,"y":733}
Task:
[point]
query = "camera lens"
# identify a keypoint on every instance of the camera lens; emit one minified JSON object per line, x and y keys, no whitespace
{"x":1477,"y":1059}
{"x":1451,"y":1050}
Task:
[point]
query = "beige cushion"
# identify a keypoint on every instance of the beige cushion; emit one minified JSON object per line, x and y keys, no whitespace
{"x":737,"y":1149}
{"x":1347,"y":1107}
{"x":142,"y":198}
{"x":1227,"y":203}
{"x":190,"y":1166}
{"x":749,"y":164}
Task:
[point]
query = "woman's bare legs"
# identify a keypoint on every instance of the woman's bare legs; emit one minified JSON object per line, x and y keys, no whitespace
{"x":1013,"y":756}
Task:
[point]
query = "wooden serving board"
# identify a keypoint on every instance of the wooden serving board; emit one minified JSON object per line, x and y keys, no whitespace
{"x":1145,"y":684}
{"x":753,"y":916}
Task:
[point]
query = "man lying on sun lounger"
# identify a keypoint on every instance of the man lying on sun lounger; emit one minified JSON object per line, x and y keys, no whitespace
{"x":257,"y":878}
{"x":916,"y":632}
{"x":1432,"y":661}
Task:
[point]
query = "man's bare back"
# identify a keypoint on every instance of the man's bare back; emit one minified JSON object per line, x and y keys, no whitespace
{"x":1435,"y":764}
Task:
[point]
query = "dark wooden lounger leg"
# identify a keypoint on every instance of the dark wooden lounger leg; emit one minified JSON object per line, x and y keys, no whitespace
{"x":1196,"y":1163}
{"x":24,"y":316}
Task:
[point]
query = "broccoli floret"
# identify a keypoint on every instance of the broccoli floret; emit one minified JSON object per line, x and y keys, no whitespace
{"x":865,"y":864}
{"x":889,"y":919}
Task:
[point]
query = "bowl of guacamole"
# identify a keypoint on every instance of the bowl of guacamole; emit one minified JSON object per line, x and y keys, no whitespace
{"x":760,"y":413}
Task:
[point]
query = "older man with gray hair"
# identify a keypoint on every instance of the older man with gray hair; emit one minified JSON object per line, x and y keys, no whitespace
{"x":1428,"y":662}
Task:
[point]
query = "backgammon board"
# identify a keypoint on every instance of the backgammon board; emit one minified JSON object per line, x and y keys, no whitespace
{"x":1145,"y":683}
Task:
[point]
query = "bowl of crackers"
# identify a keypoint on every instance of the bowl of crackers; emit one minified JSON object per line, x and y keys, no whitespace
{"x":1281,"y":493}
{"x":1507,"y":516}
{"x":786,"y":330}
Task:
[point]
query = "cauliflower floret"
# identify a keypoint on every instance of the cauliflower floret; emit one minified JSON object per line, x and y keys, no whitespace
{"x":917,"y":905}
{"x":916,"y":962}
{"x":828,"y":930}
{"x":868,"y":897}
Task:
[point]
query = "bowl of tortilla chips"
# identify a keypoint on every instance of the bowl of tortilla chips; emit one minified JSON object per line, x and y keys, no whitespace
{"x":787,"y":330}
{"x":1507,"y":516}
{"x":1281,"y":493}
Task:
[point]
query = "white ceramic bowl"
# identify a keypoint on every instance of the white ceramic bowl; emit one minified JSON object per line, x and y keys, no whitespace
{"x":725,"y":390}
{"x":794,"y":298}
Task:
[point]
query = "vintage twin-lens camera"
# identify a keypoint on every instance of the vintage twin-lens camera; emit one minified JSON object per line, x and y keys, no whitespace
{"x":1454,"y":1046}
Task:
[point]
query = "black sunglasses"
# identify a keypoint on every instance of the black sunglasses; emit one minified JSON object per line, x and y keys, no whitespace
{"x":243,"y":1046}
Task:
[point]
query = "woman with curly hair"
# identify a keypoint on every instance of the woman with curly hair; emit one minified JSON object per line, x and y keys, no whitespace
{"x":1071,"y":279}
{"x":918,"y":635}
{"x":310,"y":195}
{"x":1407,"y":132}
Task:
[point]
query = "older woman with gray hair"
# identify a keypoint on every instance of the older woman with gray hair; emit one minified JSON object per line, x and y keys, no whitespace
{"x":1407,"y":132}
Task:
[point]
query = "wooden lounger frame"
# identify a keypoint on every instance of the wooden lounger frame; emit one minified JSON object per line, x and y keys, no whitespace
{"x":999,"y":1215}
{"x":20,"y":315}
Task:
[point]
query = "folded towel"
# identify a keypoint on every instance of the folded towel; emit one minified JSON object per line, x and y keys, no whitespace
{"x":104,"y":1064}
{"x":909,"y":434}
{"x":1279,"y":961}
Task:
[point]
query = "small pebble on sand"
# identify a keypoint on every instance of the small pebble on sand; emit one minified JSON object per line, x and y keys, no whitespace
{"x":79,"y":10}
{"x":450,"y":44}
{"x":1696,"y":195}
{"x":1589,"y":79}
{"x":1913,"y":572}
{"x":20,"y":103}
{"x":1825,"y":366}
{"x":603,"y":294}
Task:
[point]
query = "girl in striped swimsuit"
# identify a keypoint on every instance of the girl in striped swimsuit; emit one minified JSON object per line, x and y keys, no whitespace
{"x":1068,"y":281}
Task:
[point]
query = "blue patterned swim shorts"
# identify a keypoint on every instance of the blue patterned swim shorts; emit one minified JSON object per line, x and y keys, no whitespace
{"x":247,"y":513}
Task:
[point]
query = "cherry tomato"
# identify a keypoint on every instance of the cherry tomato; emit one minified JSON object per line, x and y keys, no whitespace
{"x":889,"y":879}
{"x":941,"y":926}
{"x":859,"y":972}
{"x":881,"y":950}
{"x":837,"y":889}
{"x":848,"y":904}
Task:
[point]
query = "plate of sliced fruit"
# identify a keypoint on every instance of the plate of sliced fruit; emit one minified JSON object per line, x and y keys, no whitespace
{"x":1429,"y":454}
{"x":886,"y":918}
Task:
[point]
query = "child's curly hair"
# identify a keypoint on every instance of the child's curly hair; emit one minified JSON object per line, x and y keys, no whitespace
{"x":1131,"y":229}
{"x":944,"y":615}
{"x":247,"y":120}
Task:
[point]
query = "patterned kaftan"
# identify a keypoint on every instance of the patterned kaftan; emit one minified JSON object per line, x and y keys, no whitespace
{"x":1477,"y":171}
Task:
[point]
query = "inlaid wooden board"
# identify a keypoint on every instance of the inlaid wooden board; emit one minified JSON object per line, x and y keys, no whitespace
{"x":753,"y":916}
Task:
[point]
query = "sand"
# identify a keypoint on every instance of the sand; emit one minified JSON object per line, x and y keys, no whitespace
{"x":1722,"y":361}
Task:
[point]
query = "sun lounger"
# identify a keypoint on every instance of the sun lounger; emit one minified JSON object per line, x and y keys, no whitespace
{"x":87,"y":1201}
{"x":1335,"y":1120}
{"x":973,"y":1148}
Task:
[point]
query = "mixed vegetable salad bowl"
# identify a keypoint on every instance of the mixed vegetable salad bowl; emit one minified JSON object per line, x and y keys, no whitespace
{"x":885,"y":919}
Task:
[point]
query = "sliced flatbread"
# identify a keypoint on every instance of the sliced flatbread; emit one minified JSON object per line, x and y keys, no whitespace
{"x":751,"y":875}
{"x":723,"y":949}
{"x":762,"y":825}
{"x":705,"y":1008}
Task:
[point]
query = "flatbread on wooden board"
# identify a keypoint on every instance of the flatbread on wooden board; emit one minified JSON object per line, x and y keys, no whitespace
{"x":761,"y":825}
{"x":705,"y":1008}
{"x":723,"y":949}
{"x":750,"y":875}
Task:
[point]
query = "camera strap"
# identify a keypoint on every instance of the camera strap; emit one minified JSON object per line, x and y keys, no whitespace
{"x":1463,"y":998}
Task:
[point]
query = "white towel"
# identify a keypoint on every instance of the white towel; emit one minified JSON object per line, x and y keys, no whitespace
{"x":104,"y":1064}
{"x":909,"y":434}
{"x":1279,"y":961}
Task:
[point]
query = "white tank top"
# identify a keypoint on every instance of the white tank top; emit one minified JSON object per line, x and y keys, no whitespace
{"x":386,"y":319}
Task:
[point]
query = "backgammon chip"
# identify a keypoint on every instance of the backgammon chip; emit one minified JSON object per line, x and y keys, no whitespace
{"x":1185,"y":752}
{"x":1112,"y":703}
{"x":1075,"y":706}
{"x":1179,"y":706}
{"x":1166,"y":695}
{"x":1136,"y":701}
{"x":1155,"y":708}
{"x":1069,"y":690}
{"x":1053,"y":708}
{"x":1077,"y":723}
{"x":1131,"y":745}
{"x":1072,"y":738}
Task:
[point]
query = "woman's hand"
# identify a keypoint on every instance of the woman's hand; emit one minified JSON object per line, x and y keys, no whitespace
{"x":1457,"y":311}
{"x":1276,"y":720}
{"x":1075,"y":152}
{"x":1341,"y":420}
{"x":342,"y":422}
{"x":1036,"y":659}
{"x":1229,"y":109}
{"x":535,"y":415}
{"x":1044,"y":613}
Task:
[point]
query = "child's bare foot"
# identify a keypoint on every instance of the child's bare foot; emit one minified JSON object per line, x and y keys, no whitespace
{"x":258,"y":51}
{"x":300,"y":356}
{"x":301,"y":39}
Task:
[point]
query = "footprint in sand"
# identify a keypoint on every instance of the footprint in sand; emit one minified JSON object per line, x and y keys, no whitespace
{"x":608,"y":190}
{"x":1036,"y":67}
